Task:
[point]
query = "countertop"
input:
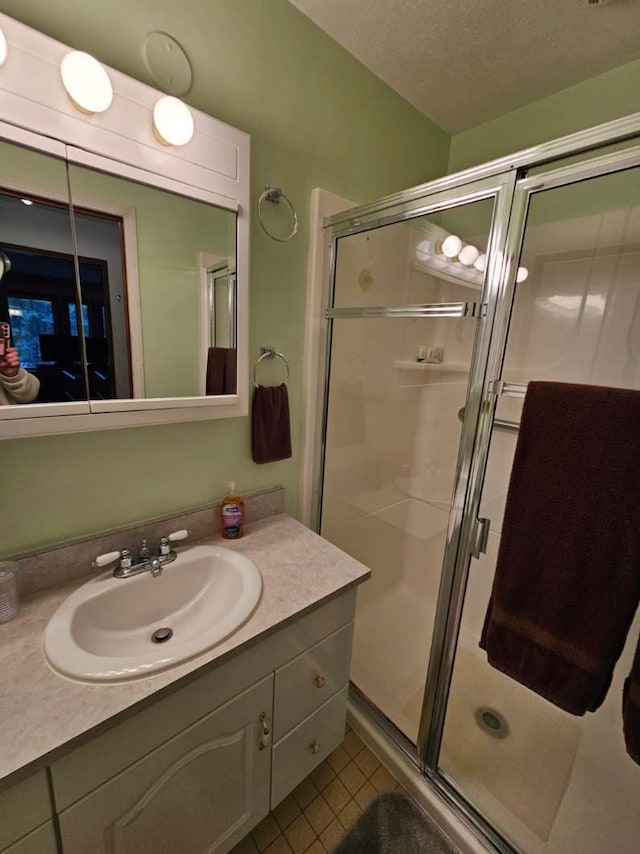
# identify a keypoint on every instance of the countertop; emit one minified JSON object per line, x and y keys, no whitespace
{"x":42,"y":714}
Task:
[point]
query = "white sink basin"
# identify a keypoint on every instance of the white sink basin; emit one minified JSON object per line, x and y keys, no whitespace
{"x":104,"y":631}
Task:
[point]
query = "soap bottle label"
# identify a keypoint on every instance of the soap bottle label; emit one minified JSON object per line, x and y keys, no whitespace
{"x":232,"y":520}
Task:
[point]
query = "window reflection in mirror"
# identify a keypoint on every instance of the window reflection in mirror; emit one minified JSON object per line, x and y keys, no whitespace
{"x":40,"y":349}
{"x":169,"y":318}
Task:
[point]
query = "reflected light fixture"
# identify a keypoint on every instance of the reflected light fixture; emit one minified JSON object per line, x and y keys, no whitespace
{"x":86,"y":82}
{"x":3,"y":46}
{"x":451,"y":246}
{"x":172,"y":121}
{"x":423,"y":250}
{"x":468,"y":255}
{"x":522,"y":275}
{"x":481,"y":263}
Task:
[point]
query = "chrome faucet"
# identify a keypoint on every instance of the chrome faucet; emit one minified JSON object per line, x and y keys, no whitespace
{"x":146,"y":562}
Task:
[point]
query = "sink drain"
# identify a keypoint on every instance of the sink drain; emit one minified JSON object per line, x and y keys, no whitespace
{"x":162,"y":635}
{"x":491,"y":721}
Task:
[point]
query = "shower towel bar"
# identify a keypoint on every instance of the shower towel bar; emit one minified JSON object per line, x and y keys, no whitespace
{"x":505,"y":389}
{"x":436,"y":309}
{"x":500,"y":423}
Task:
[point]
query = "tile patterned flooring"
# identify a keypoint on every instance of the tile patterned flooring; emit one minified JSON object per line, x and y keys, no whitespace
{"x":315,"y":816}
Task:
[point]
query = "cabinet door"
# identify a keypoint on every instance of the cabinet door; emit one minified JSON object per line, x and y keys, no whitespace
{"x":198,"y":793}
{"x":40,"y":841}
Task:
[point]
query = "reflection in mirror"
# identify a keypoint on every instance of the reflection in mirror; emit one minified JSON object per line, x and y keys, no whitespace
{"x":167,"y":327}
{"x":40,"y":349}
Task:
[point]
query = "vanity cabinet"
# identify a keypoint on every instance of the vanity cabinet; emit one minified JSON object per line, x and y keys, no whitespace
{"x":40,"y":841}
{"x":198,"y":768}
{"x":24,"y":812}
{"x":203,"y":790}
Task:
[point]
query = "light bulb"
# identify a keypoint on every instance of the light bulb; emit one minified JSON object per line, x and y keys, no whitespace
{"x":423,"y":250}
{"x":468,"y":255}
{"x":86,"y":82}
{"x":3,"y":47}
{"x":481,"y":263}
{"x":451,"y":245}
{"x":172,"y":121}
{"x":522,"y":275}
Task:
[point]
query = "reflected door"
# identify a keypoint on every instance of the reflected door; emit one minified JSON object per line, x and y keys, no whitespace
{"x":552,"y":782}
{"x":405,"y":315}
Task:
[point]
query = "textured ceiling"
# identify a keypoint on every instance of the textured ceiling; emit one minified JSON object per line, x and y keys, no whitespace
{"x":462,"y":62}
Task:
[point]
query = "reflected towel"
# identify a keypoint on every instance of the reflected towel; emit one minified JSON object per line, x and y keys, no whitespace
{"x":221,"y":371}
{"x":270,"y":429}
{"x":567,"y":581}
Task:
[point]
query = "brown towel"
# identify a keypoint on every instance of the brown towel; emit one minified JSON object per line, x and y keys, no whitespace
{"x":231,"y":371}
{"x":631,"y":709}
{"x":567,"y":581}
{"x":270,"y":429}
{"x":221,"y":371}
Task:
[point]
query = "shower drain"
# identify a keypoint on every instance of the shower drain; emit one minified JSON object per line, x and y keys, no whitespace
{"x":162,"y":635}
{"x":492,"y":722}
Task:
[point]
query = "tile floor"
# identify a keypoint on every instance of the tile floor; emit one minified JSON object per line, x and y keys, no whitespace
{"x":314,"y":817}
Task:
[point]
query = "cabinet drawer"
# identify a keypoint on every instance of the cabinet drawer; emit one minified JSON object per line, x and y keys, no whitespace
{"x":40,"y":841}
{"x":295,"y":757}
{"x":203,"y":790}
{"x":310,"y":679}
{"x":23,"y":807}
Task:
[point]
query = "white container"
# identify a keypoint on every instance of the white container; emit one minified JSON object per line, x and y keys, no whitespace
{"x":8,"y":590}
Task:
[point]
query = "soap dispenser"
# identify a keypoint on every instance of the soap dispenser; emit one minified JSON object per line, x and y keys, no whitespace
{"x":232,"y":514}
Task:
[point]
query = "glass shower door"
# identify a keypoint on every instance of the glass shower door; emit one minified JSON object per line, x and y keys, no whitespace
{"x":550,"y":781}
{"x":407,"y":308}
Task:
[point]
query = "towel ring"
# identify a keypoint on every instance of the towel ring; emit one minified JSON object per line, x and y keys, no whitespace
{"x":274,"y":194}
{"x":270,"y":353}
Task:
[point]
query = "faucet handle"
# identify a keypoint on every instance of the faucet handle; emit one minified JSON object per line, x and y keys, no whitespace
{"x":178,"y":535}
{"x":107,"y":557}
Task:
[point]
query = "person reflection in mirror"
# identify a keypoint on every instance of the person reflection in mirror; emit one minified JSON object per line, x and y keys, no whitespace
{"x":16,"y":384}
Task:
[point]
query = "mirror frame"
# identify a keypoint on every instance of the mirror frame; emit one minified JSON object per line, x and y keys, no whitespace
{"x":213,"y":167}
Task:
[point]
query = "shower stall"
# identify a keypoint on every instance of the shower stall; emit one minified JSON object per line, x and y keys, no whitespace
{"x":445,"y":301}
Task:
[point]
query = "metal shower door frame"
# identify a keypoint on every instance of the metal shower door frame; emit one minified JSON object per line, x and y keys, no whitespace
{"x":446,"y":634}
{"x":500,"y":189}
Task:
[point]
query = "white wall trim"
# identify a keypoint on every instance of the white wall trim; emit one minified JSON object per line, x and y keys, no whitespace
{"x":323,"y":204}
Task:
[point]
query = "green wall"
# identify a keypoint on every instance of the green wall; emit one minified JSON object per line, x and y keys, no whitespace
{"x":317,"y":118}
{"x":599,"y":99}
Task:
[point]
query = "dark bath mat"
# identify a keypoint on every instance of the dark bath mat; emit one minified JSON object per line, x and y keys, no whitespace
{"x":392,"y":824}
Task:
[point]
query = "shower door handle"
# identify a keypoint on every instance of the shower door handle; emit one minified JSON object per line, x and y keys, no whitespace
{"x":481,"y":537}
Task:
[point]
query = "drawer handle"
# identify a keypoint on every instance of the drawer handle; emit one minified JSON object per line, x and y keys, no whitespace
{"x":266,"y":731}
{"x":315,"y":747}
{"x":320,"y":681}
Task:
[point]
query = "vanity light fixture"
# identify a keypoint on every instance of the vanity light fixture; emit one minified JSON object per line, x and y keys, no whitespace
{"x":451,"y":246}
{"x":87,"y":83}
{"x":522,"y":275}
{"x":3,"y":47}
{"x":172,"y":121}
{"x":423,"y":250}
{"x":468,"y":255}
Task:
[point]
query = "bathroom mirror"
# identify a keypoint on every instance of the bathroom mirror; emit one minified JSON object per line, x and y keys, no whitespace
{"x":124,"y":258}
{"x":41,"y":357}
{"x":155,"y":319}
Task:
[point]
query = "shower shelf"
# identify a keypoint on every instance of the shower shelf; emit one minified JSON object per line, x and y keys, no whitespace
{"x":447,"y":367}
